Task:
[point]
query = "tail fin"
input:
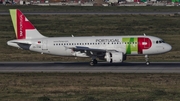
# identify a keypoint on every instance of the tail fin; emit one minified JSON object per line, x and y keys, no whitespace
{"x":24,"y":29}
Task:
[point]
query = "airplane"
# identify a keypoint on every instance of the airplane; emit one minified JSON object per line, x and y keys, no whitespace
{"x":112,"y":49}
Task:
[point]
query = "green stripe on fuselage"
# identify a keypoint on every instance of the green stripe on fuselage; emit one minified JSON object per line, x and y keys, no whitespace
{"x":131,"y":45}
{"x":14,"y":19}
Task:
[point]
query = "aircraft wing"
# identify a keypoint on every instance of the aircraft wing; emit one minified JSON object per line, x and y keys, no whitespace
{"x":89,"y":51}
{"x":79,"y":48}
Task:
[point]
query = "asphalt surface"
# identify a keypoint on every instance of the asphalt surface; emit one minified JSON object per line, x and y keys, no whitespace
{"x":83,"y":67}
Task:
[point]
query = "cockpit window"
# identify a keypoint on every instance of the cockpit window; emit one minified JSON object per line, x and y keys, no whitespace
{"x":159,"y":41}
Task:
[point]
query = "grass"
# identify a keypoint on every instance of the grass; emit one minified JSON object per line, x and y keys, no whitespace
{"x":89,"y":87}
{"x":166,"y":27}
{"x":90,"y":9}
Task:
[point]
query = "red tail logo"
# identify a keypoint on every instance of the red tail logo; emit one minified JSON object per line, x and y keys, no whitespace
{"x":23,"y":24}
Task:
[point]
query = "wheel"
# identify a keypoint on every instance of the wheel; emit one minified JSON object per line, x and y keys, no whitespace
{"x":147,"y":63}
{"x":93,"y":62}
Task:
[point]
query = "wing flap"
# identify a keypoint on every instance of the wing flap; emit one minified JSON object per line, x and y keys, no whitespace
{"x":85,"y":49}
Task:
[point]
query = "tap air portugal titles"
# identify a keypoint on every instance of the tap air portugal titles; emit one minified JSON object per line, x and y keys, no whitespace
{"x":112,"y":49}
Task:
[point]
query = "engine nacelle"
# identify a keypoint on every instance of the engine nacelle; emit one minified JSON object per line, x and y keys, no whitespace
{"x":114,"y":57}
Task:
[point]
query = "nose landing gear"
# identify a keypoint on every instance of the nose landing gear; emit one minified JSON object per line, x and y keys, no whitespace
{"x":147,"y":60}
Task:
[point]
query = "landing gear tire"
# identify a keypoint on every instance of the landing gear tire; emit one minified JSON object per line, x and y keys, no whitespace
{"x":93,"y":62}
{"x":147,"y":63}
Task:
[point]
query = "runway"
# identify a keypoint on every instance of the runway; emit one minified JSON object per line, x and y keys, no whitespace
{"x":83,"y":67}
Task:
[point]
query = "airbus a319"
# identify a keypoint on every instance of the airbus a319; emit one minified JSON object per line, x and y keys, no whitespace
{"x":113,"y":49}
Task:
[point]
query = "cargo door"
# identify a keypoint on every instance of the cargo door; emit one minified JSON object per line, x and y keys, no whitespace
{"x":44,"y":45}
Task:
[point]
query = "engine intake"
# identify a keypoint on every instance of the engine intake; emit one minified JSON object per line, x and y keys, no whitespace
{"x":114,"y":57}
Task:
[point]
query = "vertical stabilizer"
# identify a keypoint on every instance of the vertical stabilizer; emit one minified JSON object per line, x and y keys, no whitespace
{"x":23,"y":28}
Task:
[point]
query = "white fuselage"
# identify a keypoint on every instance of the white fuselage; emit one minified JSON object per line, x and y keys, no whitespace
{"x":63,"y":46}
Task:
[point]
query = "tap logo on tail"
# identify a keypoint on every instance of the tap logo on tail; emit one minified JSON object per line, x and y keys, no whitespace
{"x":21,"y":23}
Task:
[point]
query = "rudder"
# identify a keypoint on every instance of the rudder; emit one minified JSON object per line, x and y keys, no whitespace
{"x":24,"y":29}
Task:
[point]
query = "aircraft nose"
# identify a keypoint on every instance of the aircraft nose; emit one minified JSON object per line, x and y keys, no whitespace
{"x":168,"y":47}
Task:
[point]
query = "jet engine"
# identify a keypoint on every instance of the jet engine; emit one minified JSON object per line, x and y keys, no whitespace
{"x":114,"y":57}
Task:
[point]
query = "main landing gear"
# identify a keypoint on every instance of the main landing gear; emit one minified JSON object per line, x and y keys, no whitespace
{"x":147,"y":60}
{"x":93,"y":62}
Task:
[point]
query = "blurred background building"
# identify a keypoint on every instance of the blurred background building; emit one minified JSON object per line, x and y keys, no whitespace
{"x":93,"y":2}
